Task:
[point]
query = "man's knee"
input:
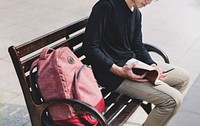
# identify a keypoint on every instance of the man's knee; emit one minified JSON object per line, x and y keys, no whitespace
{"x":173,"y":102}
{"x":178,"y":99}
{"x":186,"y":79}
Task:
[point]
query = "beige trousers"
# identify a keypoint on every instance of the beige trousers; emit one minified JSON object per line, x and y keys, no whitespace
{"x":166,"y":96}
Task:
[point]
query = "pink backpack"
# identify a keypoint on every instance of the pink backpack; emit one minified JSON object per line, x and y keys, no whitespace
{"x":62,"y":75}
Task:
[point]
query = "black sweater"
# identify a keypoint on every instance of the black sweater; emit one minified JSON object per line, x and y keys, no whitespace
{"x":113,"y":36}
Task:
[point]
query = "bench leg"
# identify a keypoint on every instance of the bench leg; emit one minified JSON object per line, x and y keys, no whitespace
{"x":147,"y":107}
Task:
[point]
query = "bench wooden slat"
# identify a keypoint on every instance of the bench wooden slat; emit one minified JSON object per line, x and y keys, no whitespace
{"x":111,"y":99}
{"x":75,"y":40}
{"x":104,"y":92}
{"x":51,"y":37}
{"x":125,"y":114}
{"x":39,"y":43}
{"x":118,"y":104}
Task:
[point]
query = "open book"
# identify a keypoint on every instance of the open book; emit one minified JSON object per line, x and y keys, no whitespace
{"x":141,"y":67}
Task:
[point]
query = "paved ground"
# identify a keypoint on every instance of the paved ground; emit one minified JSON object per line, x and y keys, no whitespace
{"x":173,"y":25}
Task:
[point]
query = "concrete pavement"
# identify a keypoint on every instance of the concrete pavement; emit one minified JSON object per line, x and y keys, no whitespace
{"x":172,"y":25}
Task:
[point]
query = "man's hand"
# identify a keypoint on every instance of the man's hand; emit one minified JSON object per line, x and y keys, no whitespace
{"x":162,"y":75}
{"x":126,"y":72}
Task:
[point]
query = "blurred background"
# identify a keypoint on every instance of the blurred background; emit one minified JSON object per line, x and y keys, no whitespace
{"x":172,"y":25}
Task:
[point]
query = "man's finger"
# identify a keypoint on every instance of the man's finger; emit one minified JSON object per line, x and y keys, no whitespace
{"x":137,"y":77}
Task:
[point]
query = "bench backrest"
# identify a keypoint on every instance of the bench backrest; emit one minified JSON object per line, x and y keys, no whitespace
{"x":23,"y":56}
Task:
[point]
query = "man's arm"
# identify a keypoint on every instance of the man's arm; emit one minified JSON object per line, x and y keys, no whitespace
{"x":93,"y":35}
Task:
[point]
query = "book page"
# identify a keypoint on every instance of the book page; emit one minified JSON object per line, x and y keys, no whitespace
{"x":140,"y":64}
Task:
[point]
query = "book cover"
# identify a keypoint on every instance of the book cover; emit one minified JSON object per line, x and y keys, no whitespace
{"x":141,"y":67}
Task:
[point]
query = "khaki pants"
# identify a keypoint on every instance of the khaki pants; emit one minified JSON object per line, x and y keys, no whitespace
{"x":166,"y":96}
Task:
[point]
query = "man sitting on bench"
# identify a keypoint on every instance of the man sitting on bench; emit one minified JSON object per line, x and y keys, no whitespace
{"x":113,"y":36}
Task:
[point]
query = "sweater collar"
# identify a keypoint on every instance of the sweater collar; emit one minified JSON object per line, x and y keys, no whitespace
{"x":125,"y":6}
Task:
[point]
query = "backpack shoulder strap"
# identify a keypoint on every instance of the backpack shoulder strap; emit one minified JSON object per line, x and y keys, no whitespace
{"x":33,"y":81}
{"x":45,"y":51}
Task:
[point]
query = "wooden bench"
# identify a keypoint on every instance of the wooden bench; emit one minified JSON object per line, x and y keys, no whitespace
{"x":118,"y":107}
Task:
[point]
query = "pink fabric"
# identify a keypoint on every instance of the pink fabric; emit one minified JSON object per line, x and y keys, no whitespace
{"x":62,"y":75}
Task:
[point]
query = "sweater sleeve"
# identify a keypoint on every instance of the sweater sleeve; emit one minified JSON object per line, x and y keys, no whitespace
{"x":138,"y":46}
{"x":93,"y":35}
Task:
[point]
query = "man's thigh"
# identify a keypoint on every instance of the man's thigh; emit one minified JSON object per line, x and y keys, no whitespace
{"x":149,"y":92}
{"x":177,"y":78}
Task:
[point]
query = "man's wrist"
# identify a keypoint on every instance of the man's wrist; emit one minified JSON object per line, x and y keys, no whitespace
{"x":116,"y":70}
